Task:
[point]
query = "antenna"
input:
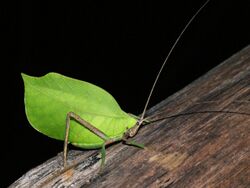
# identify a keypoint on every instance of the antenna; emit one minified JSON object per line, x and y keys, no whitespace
{"x":152,"y":120}
{"x":166,"y":60}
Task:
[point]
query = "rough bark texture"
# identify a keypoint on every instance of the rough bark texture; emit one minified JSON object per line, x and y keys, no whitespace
{"x":195,"y":150}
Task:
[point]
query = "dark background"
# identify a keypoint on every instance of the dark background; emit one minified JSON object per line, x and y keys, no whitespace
{"x":117,"y":46}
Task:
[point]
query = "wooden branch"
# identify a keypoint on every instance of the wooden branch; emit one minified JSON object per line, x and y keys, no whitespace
{"x":195,"y":150}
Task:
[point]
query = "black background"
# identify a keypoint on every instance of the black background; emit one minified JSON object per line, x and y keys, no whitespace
{"x":117,"y":46}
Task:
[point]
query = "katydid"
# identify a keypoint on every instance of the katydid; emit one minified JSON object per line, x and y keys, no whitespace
{"x":93,"y":117}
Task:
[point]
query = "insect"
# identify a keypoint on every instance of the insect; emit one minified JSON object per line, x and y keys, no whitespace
{"x":93,"y":117}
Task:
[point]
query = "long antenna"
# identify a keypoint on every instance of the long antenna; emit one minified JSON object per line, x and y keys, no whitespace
{"x":152,"y":120}
{"x":166,"y":60}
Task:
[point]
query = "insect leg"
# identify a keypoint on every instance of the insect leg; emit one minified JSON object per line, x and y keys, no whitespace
{"x":103,"y":154}
{"x":103,"y":149}
{"x":133,"y":143}
{"x":87,"y":125}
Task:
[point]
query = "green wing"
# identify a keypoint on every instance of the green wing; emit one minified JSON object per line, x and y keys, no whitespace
{"x":48,"y":99}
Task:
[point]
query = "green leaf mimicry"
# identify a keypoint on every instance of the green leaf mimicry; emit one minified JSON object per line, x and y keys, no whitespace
{"x":49,"y":98}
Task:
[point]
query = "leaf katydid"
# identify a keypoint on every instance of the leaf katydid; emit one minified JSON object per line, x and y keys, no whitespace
{"x":93,"y":117}
{"x":98,"y":119}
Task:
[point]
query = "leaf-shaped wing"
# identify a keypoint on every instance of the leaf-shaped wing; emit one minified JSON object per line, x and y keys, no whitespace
{"x":48,"y":99}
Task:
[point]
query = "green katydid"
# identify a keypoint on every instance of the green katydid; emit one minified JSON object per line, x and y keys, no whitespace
{"x":93,"y":117}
